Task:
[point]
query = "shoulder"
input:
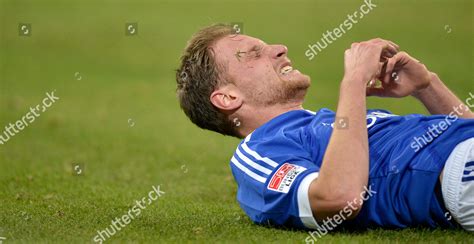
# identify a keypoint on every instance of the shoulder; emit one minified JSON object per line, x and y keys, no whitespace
{"x":270,"y":172}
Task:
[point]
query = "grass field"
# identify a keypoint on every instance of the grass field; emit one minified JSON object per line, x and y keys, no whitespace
{"x":118,"y":119}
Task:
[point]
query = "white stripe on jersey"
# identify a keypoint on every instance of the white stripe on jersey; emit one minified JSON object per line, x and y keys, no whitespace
{"x":252,"y":163}
{"x":304,"y":206}
{"x":247,"y":171}
{"x":311,"y":112}
{"x":256,"y":155}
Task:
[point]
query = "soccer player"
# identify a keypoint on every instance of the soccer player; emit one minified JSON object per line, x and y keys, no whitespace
{"x":317,"y":170}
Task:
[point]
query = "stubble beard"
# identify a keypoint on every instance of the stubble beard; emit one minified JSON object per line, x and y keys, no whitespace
{"x":284,"y":93}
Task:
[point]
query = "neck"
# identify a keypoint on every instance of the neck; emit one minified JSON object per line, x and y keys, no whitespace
{"x":255,"y":117}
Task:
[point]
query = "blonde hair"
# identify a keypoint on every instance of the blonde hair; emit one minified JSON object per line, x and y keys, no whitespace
{"x":198,"y":76}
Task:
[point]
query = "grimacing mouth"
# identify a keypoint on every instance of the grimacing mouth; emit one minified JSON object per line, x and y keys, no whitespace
{"x":285,"y":68}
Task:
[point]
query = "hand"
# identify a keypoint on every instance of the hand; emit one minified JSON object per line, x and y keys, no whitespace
{"x":364,"y":61}
{"x":401,"y":76}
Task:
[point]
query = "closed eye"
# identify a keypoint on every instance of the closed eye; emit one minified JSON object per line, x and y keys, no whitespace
{"x":256,"y":51}
{"x":253,"y":53}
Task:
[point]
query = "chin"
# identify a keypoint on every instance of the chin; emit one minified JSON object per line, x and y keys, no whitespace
{"x":303,"y":81}
{"x":298,"y":77}
{"x":306,"y":79}
{"x":296,"y":90}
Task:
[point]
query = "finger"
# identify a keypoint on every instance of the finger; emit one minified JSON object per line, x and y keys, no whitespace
{"x":391,"y":43}
{"x":386,"y":54}
{"x":394,"y":45}
{"x":389,"y":69}
{"x":383,"y":71}
{"x":387,"y":45}
{"x":387,"y":51}
{"x":388,"y":66}
{"x":392,"y":62}
{"x":393,"y":49}
{"x":380,"y":70}
{"x":386,"y":78}
{"x":407,"y":57}
{"x":388,"y":48}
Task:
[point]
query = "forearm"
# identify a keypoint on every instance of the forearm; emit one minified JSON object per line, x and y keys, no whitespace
{"x":344,"y":171}
{"x":438,"y":99}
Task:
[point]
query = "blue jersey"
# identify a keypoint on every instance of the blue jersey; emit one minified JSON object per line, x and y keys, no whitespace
{"x":274,"y":166}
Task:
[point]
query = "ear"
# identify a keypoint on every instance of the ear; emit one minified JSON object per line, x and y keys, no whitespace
{"x":226,"y":98}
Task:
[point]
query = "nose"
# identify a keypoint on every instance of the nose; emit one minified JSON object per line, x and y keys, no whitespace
{"x":279,"y":51}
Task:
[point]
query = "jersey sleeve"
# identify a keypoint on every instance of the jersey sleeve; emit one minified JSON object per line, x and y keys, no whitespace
{"x":273,"y":179}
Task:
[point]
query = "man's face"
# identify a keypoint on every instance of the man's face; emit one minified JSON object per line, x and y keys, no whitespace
{"x":262,"y":72}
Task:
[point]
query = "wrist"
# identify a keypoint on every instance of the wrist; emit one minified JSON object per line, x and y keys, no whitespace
{"x":355,"y":80}
{"x":354,"y":85}
{"x":434,"y":82}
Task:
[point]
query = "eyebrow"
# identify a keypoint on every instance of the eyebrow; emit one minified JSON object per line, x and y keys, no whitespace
{"x":255,"y":47}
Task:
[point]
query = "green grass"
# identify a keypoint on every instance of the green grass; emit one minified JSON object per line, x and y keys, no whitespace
{"x":130,"y":80}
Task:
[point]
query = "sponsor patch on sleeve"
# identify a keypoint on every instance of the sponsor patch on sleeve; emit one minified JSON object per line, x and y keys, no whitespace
{"x":282,"y":180}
